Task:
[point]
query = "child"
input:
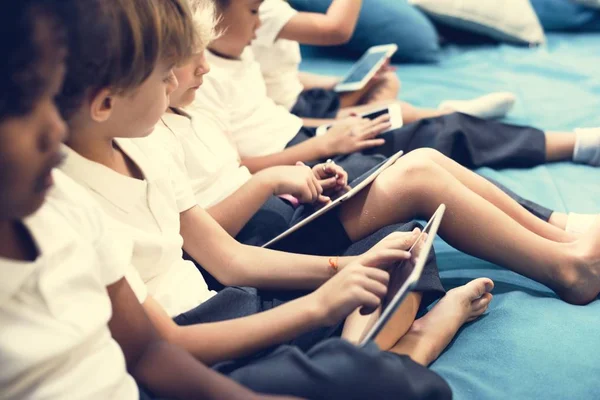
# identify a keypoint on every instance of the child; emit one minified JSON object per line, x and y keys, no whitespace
{"x":266,"y":135}
{"x":311,"y":96}
{"x":145,"y":197}
{"x":62,"y":292}
{"x":418,"y":181}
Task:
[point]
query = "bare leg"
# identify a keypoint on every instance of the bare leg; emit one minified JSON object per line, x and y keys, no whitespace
{"x":430,"y":335}
{"x":387,"y":88}
{"x":560,"y":146}
{"x":384,"y":90}
{"x":357,"y":325}
{"x":559,"y":220}
{"x":415,"y":187}
{"x":494,"y":195}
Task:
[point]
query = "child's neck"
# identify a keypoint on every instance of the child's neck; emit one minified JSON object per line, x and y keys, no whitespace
{"x":16,"y":242}
{"x":103,"y":149}
{"x":222,"y":54}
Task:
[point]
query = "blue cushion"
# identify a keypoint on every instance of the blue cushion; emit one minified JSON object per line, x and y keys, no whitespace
{"x":382,"y":22}
{"x":566,"y":15}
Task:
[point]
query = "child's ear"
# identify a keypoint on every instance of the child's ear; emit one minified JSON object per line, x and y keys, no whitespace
{"x":101,"y":105}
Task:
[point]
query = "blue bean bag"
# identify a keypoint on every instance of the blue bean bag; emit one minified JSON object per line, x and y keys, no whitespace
{"x":382,"y":22}
{"x":566,"y":15}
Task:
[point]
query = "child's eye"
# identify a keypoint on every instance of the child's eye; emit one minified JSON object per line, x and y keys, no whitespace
{"x":255,"y":12}
{"x":168,"y":79}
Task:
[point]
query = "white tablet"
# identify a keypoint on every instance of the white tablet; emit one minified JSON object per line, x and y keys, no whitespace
{"x":336,"y":202}
{"x":365,"y":68}
{"x":405,"y":276}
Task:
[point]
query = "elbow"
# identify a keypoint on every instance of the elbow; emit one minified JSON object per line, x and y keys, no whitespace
{"x":233,"y":273}
{"x":339,"y":35}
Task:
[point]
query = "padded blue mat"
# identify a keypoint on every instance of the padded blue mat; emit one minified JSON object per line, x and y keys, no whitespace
{"x":529,"y":345}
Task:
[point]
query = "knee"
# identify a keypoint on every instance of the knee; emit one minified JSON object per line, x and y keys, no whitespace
{"x":417,"y":166}
{"x":427,"y":153}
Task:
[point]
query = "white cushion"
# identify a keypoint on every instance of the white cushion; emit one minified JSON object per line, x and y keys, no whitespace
{"x":589,"y":3}
{"x":506,"y":20}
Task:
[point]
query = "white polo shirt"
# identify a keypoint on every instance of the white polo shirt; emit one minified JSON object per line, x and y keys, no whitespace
{"x":54,"y":338}
{"x":279,"y":59}
{"x":203,"y":151}
{"x":148,"y":211}
{"x":234,"y":92}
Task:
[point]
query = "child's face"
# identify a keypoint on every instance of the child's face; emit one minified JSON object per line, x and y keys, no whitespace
{"x":29,"y":150}
{"x":136,"y":113}
{"x":190,"y":78}
{"x":238,"y":23}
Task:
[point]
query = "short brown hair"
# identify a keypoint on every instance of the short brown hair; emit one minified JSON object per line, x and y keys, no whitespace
{"x":117,"y":43}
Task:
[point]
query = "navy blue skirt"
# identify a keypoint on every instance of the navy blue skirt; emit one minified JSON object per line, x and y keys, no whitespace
{"x":317,"y":103}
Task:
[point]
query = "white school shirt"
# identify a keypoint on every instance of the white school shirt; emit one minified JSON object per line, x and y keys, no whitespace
{"x":234,"y":92}
{"x":203,"y":152}
{"x":54,"y":338}
{"x":279,"y":59}
{"x":148,"y":211}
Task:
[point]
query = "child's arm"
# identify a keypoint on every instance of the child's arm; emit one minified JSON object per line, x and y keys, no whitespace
{"x":344,"y":137}
{"x":160,"y":366}
{"x":362,"y":284}
{"x":333,"y":28}
{"x":307,"y":186}
{"x":235,"y":264}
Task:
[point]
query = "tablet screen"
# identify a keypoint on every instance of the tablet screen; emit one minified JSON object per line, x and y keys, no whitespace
{"x":405,"y":275}
{"x":399,"y":274}
{"x":364,"y":66}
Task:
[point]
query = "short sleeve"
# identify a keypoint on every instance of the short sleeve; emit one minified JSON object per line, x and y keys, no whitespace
{"x":184,"y":195}
{"x":114,"y":251}
{"x":274,"y":15}
{"x":215,"y":98}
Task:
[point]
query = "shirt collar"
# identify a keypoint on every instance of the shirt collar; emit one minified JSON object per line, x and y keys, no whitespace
{"x":177,"y":123}
{"x":42,"y":227}
{"x":120,"y":190}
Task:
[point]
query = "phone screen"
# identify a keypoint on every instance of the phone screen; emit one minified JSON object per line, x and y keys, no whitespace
{"x":376,"y":114}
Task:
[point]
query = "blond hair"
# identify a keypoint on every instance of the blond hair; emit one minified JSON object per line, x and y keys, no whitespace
{"x":204,"y":15}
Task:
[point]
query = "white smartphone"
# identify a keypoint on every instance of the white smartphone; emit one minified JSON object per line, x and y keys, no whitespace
{"x":393,"y":110}
{"x":365,"y":68}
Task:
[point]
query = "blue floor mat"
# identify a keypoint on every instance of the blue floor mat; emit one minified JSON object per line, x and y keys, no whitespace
{"x":529,"y":345}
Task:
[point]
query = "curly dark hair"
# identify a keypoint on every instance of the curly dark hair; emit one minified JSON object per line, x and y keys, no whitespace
{"x":32,"y":47}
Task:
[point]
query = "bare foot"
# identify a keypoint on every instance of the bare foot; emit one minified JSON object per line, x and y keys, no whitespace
{"x":429,"y":335}
{"x":581,"y":284}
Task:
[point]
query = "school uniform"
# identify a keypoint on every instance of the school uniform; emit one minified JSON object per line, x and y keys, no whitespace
{"x":279,"y":61}
{"x":205,"y":154}
{"x":318,"y":365}
{"x":315,"y":365}
{"x":54,"y":341}
{"x":147,"y":211}
{"x":234,"y":93}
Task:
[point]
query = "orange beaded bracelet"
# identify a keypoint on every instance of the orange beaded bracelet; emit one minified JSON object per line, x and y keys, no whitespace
{"x":333,"y":263}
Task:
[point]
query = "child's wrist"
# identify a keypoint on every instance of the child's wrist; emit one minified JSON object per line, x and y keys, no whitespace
{"x":267,"y":181}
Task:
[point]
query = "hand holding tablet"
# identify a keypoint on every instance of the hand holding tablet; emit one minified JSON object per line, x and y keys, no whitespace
{"x":365,"y":68}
